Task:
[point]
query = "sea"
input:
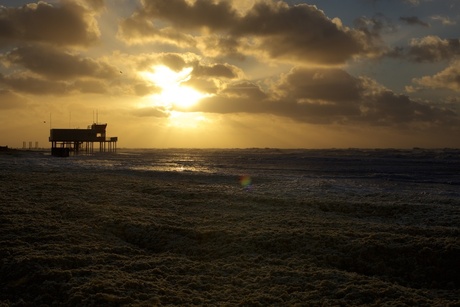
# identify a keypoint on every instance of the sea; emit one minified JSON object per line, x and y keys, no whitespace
{"x":431,"y":175}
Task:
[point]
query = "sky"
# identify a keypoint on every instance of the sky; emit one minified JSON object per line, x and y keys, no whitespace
{"x":233,"y":73}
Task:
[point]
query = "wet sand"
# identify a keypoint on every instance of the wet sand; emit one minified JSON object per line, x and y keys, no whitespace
{"x":113,"y":238}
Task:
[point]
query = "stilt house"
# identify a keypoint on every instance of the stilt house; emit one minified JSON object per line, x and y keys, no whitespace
{"x":64,"y":141}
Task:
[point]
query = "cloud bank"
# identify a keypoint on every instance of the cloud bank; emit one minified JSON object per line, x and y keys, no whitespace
{"x":258,"y":58}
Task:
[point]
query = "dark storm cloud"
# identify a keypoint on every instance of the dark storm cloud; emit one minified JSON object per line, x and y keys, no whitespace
{"x":433,"y":49}
{"x":326,"y":96}
{"x":216,"y":70}
{"x":373,"y":27}
{"x":32,"y":85}
{"x":56,"y":64}
{"x":223,"y":45}
{"x":414,"y":20}
{"x":300,"y":33}
{"x":174,"y":61}
{"x":317,"y":84}
{"x":38,"y":39}
{"x":24,"y":84}
{"x":68,"y":24}
{"x":388,"y":108}
{"x":429,"y":49}
{"x":354,"y":100}
{"x":138,"y":30}
{"x":203,"y":13}
{"x":245,"y":90}
{"x":241,"y":97}
{"x":319,"y":95}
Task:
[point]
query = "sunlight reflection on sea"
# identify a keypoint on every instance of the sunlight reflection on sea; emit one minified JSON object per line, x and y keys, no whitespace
{"x":335,"y":174}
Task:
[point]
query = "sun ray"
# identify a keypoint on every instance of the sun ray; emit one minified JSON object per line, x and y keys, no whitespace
{"x":186,"y":120}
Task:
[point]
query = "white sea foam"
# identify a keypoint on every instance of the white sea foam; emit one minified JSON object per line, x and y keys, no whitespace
{"x":231,"y":227}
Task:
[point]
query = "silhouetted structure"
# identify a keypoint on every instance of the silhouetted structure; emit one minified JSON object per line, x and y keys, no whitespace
{"x":64,"y":141}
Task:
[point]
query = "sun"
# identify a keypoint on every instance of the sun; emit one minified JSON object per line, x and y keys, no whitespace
{"x":173,"y":95}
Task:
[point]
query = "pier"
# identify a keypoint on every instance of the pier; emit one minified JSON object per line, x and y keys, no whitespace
{"x":64,"y":141}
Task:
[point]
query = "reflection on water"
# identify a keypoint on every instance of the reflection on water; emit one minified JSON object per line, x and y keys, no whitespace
{"x":389,"y":165}
{"x":167,"y":161}
{"x":304,"y":173}
{"x":172,"y":167}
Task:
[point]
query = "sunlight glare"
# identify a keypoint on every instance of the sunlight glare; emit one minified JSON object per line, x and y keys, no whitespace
{"x":173,"y":93}
{"x":186,"y":120}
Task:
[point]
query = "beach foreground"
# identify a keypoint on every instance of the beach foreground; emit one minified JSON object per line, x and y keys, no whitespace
{"x":76,"y":236}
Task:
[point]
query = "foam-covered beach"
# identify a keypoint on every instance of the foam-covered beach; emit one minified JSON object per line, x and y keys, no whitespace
{"x":231,"y":227}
